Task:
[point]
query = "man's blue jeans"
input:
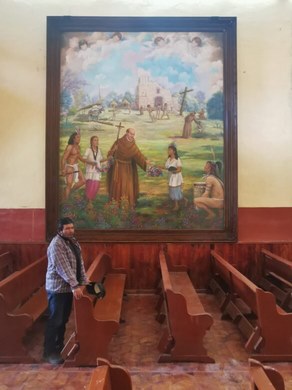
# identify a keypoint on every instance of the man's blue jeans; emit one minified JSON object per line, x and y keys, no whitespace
{"x":60,"y":305}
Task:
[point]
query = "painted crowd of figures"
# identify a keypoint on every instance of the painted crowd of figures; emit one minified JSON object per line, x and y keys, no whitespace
{"x":120,"y":166}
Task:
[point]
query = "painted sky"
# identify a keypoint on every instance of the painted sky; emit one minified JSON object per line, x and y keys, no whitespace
{"x":113,"y":62}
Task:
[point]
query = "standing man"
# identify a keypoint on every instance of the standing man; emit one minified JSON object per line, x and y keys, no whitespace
{"x":122,"y":178}
{"x":150,"y":112}
{"x":69,"y":164}
{"x":65,"y":275}
{"x":165,"y":111}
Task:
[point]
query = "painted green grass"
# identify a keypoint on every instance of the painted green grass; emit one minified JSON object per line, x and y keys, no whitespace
{"x":154,"y":208}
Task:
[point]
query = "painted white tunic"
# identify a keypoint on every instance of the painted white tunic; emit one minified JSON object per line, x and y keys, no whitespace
{"x":175,"y":179}
{"x":93,"y":172}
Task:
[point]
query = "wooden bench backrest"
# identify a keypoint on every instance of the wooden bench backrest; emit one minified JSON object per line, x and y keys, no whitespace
{"x":119,"y":377}
{"x":173,"y":298}
{"x":20,"y":285}
{"x":167,"y":288}
{"x":277,"y":264}
{"x":100,"y":266}
{"x":164,"y":272}
{"x":265,"y":377}
{"x":236,"y":281}
{"x":108,"y":376}
{"x":100,"y":379}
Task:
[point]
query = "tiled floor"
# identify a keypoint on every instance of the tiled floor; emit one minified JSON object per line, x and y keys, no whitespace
{"x":135,"y":347}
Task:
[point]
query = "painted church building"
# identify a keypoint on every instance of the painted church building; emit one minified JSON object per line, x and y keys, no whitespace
{"x":151,"y":93}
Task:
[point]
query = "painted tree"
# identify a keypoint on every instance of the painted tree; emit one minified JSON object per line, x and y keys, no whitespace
{"x":129,"y":97}
{"x":190,"y":103}
{"x":71,"y":88}
{"x":215,"y":106}
{"x":201,"y":97}
{"x":66,"y":101}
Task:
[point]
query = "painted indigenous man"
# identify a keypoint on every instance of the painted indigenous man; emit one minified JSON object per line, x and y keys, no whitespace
{"x":69,"y":165}
{"x":122,"y":177}
{"x":213,"y":197}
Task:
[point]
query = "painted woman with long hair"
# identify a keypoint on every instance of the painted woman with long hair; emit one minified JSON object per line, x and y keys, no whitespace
{"x":93,"y":159}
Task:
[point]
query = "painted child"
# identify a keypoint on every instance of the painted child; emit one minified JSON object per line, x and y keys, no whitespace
{"x":174,"y":167}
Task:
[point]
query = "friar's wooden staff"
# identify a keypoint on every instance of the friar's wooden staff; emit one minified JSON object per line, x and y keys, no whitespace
{"x":119,"y":126}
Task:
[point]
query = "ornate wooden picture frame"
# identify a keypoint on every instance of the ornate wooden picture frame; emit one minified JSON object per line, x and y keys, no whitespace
{"x":141,"y":128}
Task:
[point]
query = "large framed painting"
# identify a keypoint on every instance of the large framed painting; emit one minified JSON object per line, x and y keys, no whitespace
{"x":141,"y":128}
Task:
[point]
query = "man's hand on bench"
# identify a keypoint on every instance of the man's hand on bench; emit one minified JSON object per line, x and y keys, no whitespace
{"x":77,"y":292}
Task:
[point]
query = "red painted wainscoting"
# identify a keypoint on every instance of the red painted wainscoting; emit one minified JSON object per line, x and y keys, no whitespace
{"x":22,"y":225}
{"x":254,"y":225}
{"x":265,"y":224}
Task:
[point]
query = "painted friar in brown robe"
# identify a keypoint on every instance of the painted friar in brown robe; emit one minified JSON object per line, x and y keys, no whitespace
{"x":187,"y":129}
{"x":122,"y":177}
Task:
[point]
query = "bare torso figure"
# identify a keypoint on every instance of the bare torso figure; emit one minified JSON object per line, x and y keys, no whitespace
{"x":74,"y":176}
{"x":213,"y":197}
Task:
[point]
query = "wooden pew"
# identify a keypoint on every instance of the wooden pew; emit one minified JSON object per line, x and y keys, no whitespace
{"x":23,"y":300}
{"x":96,"y":321}
{"x":267,"y":327}
{"x":276,"y":277}
{"x":109,"y":377}
{"x":187,"y":321}
{"x":265,"y":377}
{"x":6,"y":264}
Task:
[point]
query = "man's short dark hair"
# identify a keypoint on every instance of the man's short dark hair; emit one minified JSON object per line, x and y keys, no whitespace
{"x":64,"y":221}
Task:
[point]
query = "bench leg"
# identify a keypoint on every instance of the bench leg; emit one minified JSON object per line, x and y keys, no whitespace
{"x":159,"y":302}
{"x":166,"y":342}
{"x":254,"y":341}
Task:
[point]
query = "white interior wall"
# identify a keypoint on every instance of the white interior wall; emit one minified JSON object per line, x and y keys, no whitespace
{"x":264,"y":49}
